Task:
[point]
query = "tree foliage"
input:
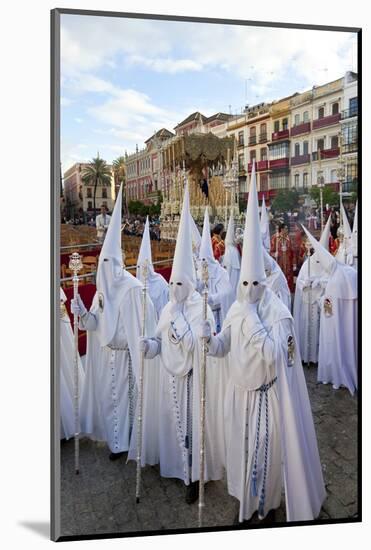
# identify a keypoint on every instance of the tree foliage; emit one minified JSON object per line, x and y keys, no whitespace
{"x":97,"y":172}
{"x":285,"y":200}
{"x":330,"y":196}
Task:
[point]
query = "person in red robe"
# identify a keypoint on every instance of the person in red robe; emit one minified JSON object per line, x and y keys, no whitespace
{"x":282,"y":252}
{"x":217,"y":242}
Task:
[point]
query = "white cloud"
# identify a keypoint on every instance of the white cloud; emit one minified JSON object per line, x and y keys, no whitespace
{"x":165,"y":65}
{"x":79,"y":120}
{"x":88,"y":43}
{"x":66,"y":102}
{"x":270,"y":59}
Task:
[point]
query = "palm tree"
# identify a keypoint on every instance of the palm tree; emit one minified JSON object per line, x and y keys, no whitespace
{"x":97,"y":172}
{"x":119,"y":172}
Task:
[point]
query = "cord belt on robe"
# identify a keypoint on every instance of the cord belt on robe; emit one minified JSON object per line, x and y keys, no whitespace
{"x":184,"y":440}
{"x":218,"y":324}
{"x":131,"y":385}
{"x":254,"y":486}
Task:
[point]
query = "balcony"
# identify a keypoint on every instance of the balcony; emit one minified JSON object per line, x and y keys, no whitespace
{"x":351,"y":147}
{"x":279,"y":163}
{"x":326,"y":121}
{"x":349,"y":186}
{"x":300,"y":159}
{"x":252,"y":140}
{"x":283,"y":134}
{"x":280,"y":184}
{"x":349,"y":113}
{"x":303,"y":128}
{"x":263,"y":137}
{"x":259,"y":166}
{"x":326,"y":154}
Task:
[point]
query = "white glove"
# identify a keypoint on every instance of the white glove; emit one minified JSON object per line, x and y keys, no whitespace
{"x":212,"y":300}
{"x":176,"y":308}
{"x":78,"y":306}
{"x":144,"y":344}
{"x":316,"y":283}
{"x":205,"y":330}
{"x":199,"y":286}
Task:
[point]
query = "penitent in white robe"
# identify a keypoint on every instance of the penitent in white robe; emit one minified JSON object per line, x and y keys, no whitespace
{"x":308,"y":292}
{"x":232,"y":263}
{"x":266,"y":357}
{"x":158,"y":290}
{"x":109,"y":399}
{"x":180,"y":359}
{"x":338,"y":345}
{"x":67,"y":390}
{"x":220,"y":291}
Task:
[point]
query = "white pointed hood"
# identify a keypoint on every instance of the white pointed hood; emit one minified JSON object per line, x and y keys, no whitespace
{"x":326,"y":260}
{"x":183,"y":270}
{"x":110,"y":275}
{"x":315,"y":267}
{"x":206,"y":248}
{"x":231,"y":258}
{"x":264,"y":226}
{"x":252,"y":263}
{"x":145,"y":252}
{"x":229,"y":238}
{"x":324,"y":240}
{"x":346,"y":226}
{"x":196,"y":237}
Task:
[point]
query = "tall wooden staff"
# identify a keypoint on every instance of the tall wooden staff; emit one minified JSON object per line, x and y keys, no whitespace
{"x":308,"y":246}
{"x":144,"y":269}
{"x":201,"y":500}
{"x":75,"y":266}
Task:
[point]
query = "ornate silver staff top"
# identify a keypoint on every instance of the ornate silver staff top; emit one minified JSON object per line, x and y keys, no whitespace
{"x":75,"y":264}
{"x":204,"y":272}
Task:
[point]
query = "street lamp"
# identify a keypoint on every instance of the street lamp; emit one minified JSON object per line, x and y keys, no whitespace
{"x":321,"y":184}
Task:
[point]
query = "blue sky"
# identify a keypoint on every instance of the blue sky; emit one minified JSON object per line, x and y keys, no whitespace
{"x":124,"y":79}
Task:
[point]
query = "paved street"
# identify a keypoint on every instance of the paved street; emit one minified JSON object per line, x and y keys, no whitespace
{"x":102,"y":498}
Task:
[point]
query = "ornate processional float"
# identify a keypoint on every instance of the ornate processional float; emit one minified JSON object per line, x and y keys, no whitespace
{"x":210,"y":165}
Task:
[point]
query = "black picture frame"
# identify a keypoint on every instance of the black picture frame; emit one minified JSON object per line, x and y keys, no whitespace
{"x":55,"y":260}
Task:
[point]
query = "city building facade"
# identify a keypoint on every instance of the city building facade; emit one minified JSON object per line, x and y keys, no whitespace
{"x":143,"y":169}
{"x":297,"y":142}
{"x":79,"y":195}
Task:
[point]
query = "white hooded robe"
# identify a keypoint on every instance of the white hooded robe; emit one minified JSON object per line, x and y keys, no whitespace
{"x":67,"y":389}
{"x":293,"y":462}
